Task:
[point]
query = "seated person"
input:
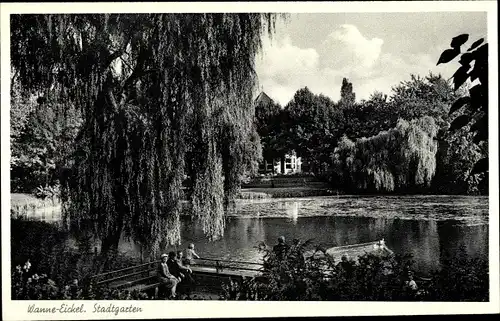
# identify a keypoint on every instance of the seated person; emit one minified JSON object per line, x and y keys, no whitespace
{"x":187,"y":272}
{"x":168,"y":280}
{"x":410,"y":283}
{"x":177,"y":270}
{"x":190,"y":255}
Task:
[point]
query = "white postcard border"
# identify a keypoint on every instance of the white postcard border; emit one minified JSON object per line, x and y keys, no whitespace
{"x":17,"y":310}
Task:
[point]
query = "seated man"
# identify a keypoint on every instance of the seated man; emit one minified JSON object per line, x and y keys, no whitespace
{"x":187,"y":272}
{"x":176,"y":268}
{"x":167,"y":279}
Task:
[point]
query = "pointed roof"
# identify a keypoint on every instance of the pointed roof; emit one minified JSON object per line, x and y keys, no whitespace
{"x":263,"y":98}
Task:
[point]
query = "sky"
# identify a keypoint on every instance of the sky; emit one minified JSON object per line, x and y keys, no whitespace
{"x":375,"y":51}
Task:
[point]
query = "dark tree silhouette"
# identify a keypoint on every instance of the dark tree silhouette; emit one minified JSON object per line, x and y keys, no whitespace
{"x":347,"y":96}
{"x":472,"y":109}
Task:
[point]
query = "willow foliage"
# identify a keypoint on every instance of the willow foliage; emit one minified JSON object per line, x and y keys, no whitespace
{"x":158,"y":92}
{"x":402,"y":157}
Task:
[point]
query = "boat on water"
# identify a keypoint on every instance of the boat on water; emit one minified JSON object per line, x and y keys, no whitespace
{"x":353,"y":251}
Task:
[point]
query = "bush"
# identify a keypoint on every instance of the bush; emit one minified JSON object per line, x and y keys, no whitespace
{"x":48,"y":192}
{"x":27,"y":285}
{"x":461,"y":279}
{"x":42,"y":242}
{"x":371,"y":278}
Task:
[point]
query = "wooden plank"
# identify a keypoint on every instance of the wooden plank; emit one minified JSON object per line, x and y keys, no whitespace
{"x":207,"y":282}
{"x":229,"y":261}
{"x":228,"y":272}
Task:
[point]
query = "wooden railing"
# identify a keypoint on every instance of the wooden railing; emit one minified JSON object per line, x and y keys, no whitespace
{"x":136,"y":273}
{"x":221,"y":265}
{"x":144,"y":275}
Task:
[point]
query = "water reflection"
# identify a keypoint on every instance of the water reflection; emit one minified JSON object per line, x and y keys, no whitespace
{"x":475,"y":244}
{"x":240,"y":238}
{"x":429,"y":228}
{"x":50,"y":214}
{"x":428,"y":240}
{"x":292,"y":210}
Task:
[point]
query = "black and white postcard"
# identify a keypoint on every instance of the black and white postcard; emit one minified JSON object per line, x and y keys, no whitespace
{"x":199,"y":160}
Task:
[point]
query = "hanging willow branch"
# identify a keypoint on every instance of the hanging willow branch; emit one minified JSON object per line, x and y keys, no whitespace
{"x":152,"y":88}
{"x":402,"y":157}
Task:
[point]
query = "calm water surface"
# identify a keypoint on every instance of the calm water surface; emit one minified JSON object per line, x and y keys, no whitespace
{"x":429,"y":227}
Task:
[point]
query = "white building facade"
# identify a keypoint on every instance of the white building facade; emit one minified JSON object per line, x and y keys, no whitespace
{"x":290,"y":164}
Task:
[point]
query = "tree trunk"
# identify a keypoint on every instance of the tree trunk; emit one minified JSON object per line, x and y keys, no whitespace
{"x":109,"y":252}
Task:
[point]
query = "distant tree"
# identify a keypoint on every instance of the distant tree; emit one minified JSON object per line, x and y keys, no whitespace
{"x":368,"y":117}
{"x":313,"y":133}
{"x":377,"y":114}
{"x":456,"y":155}
{"x":419,"y":97}
{"x":270,"y":126}
{"x":400,"y":159}
{"x":347,"y":95}
{"x":353,"y":116}
{"x":42,"y":136}
{"x":473,"y":108}
{"x":21,"y":105}
{"x":422,"y":96}
{"x":303,"y":113}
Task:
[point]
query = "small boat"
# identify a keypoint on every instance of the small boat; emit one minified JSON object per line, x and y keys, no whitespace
{"x":353,"y":251}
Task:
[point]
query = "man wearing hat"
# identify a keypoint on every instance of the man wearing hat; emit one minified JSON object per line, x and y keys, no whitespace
{"x":166,"y":278}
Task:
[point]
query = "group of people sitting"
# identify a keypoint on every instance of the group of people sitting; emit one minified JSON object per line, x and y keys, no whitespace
{"x":174,"y":269}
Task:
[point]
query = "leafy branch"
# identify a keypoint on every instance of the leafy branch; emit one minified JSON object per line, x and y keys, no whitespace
{"x":473,"y":66}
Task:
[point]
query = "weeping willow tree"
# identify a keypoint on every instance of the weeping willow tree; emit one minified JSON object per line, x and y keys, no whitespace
{"x":162,"y":96}
{"x":398,"y":159}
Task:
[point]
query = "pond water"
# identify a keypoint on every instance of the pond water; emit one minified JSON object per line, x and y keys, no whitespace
{"x":428,"y":227}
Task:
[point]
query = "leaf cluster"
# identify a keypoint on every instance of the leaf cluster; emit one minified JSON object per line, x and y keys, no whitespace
{"x":472,"y":109}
